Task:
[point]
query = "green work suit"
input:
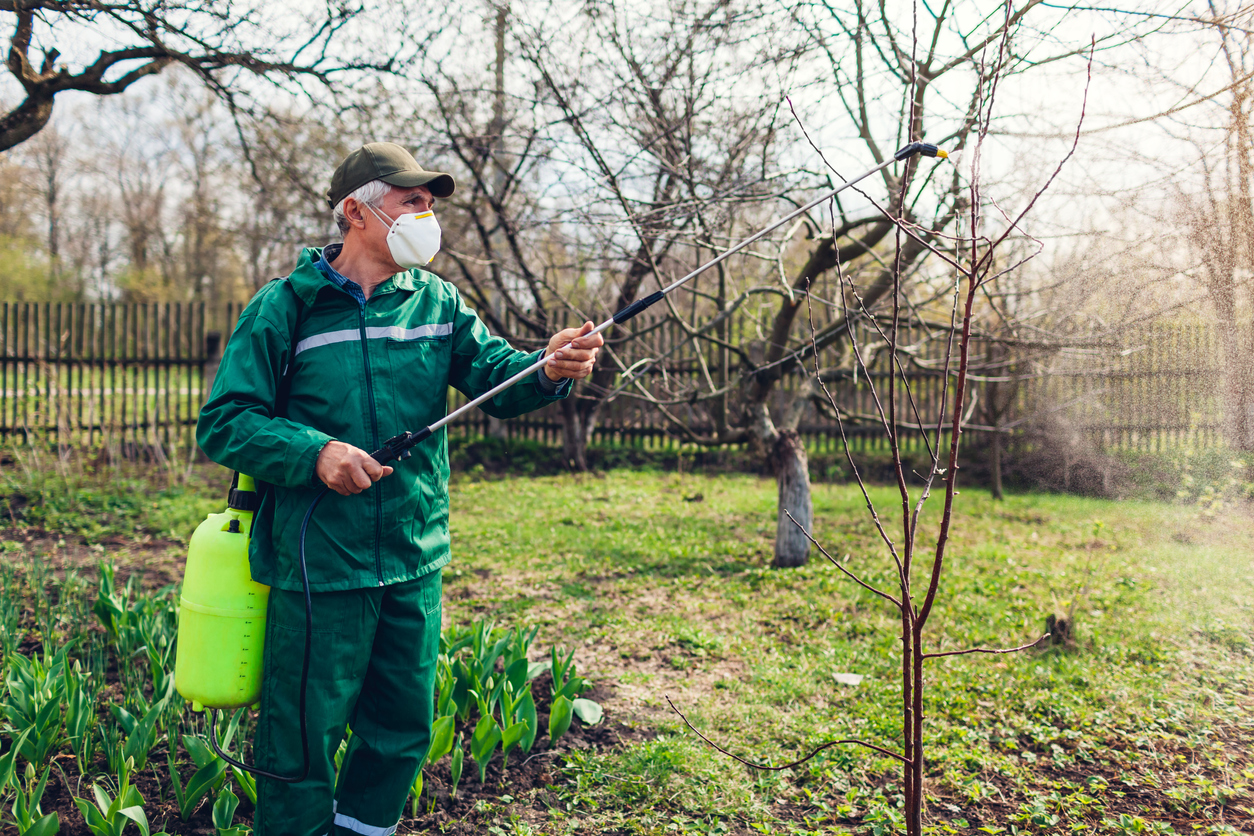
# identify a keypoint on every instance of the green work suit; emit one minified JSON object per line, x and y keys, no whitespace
{"x":374,"y":653}
{"x":310,"y":361}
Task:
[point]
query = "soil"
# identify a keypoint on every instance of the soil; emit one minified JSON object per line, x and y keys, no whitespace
{"x":535,"y":777}
{"x":535,"y":783}
{"x":1133,"y":791}
{"x":159,"y":562}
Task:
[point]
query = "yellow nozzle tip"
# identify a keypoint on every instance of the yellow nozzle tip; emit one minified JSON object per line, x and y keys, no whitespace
{"x":943,"y":154}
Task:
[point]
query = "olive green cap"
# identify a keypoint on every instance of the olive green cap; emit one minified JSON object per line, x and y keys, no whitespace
{"x":388,"y":162}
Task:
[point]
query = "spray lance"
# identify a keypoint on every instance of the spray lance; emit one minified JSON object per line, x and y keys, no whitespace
{"x":222,"y":623}
{"x":397,"y":447}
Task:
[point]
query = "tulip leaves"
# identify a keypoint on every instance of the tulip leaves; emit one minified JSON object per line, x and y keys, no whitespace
{"x":484,"y":687}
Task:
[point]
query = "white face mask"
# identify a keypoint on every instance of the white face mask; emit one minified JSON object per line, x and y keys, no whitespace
{"x":413,"y":239}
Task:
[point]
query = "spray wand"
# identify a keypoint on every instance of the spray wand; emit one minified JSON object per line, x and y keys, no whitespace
{"x":397,"y":447}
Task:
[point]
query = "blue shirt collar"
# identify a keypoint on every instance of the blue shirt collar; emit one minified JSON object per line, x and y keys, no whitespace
{"x":404,"y":280}
{"x":329,"y":254}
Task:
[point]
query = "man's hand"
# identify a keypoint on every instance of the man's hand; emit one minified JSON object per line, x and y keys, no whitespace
{"x":346,"y":469}
{"x":574,"y":360}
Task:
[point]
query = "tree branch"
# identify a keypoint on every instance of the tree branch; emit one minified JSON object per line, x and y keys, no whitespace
{"x":986,"y":649}
{"x":797,"y":762}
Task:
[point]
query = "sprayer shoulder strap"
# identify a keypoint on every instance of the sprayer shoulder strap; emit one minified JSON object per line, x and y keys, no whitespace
{"x":295,"y":321}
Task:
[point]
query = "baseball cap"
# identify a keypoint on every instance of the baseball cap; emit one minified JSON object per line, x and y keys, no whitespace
{"x":388,"y":162}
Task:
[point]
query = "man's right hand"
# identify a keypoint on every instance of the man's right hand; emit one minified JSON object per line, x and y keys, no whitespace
{"x":346,"y":469}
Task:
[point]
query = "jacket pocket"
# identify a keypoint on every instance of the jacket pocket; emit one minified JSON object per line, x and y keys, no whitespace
{"x":419,"y":370}
{"x":432,"y":596}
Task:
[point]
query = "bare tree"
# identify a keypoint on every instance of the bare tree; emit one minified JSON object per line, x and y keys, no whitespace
{"x":584,"y":170}
{"x":209,"y":37}
{"x":1220,"y":224}
{"x":50,"y":156}
{"x":748,"y":406}
{"x":506,"y":252}
{"x":678,"y":152}
{"x":137,"y":166}
{"x":282,"y":185}
{"x":985,"y":229}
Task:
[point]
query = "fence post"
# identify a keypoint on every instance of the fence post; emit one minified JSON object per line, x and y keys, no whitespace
{"x":213,"y":356}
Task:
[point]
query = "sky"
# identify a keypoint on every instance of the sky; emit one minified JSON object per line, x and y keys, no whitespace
{"x":1125,"y":164}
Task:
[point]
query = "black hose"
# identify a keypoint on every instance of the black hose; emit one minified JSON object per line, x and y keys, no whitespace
{"x":304,"y":672}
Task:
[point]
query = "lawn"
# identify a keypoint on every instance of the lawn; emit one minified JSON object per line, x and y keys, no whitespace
{"x":661,"y":584}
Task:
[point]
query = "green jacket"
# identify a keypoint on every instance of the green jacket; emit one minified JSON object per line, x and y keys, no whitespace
{"x":359,"y":374}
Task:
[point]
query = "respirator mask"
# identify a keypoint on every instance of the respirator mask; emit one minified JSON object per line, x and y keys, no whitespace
{"x":413,"y":238}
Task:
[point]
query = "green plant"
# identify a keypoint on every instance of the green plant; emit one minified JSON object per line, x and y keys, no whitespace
{"x":109,"y":815}
{"x":469,"y":665}
{"x":33,"y":703}
{"x":566,"y":687}
{"x":518,"y":670}
{"x":560,"y":714}
{"x":111,"y":742}
{"x":198,"y":786}
{"x":455,"y":767}
{"x":10,"y":608}
{"x":415,"y":793}
{"x":155,"y":620}
{"x":588,"y":711}
{"x":342,"y":750}
{"x":442,"y":731}
{"x":565,"y":682}
{"x":114,"y":610}
{"x":27,"y":815}
{"x":246,"y":783}
{"x":445,"y":681}
{"x":484,"y":739}
{"x":441,"y":738}
{"x":8,"y":763}
{"x":1127,"y":825}
{"x":525,"y":712}
{"x":210,"y":769}
{"x":141,"y":734}
{"x":224,"y":815}
{"x":80,"y":714}
{"x":516,"y":723}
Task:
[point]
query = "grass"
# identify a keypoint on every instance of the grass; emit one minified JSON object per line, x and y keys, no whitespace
{"x":1144,"y":718}
{"x":661,"y":582}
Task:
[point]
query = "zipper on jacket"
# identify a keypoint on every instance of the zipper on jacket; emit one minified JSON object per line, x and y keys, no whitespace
{"x":374,"y":436}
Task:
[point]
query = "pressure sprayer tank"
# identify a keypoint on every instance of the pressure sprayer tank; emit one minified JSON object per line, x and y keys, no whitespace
{"x":222,"y":611}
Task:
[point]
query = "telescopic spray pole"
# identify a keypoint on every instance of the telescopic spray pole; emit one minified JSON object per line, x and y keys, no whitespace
{"x":397,"y":447}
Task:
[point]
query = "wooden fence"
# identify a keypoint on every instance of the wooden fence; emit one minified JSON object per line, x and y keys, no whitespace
{"x":125,"y":375}
{"x":134,"y":377}
{"x":1149,"y":389}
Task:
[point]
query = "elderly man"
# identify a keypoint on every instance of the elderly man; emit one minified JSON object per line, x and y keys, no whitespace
{"x":356,"y":345}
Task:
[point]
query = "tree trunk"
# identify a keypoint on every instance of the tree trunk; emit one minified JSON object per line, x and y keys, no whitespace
{"x":994,"y":464}
{"x":1238,"y":399}
{"x":792,"y":473}
{"x":577,"y":426}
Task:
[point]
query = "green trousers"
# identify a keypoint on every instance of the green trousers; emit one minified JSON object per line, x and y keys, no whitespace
{"x":372,"y":669}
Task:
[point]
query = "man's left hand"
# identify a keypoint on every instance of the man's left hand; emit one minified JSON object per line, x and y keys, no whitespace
{"x":576,"y":359}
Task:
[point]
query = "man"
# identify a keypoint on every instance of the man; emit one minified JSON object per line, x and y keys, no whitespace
{"x":356,"y":345}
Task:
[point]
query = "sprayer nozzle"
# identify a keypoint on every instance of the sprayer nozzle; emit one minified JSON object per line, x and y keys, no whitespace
{"x":924,"y":148}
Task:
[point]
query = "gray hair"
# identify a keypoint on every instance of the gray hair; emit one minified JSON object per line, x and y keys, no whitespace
{"x":370,"y":194}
